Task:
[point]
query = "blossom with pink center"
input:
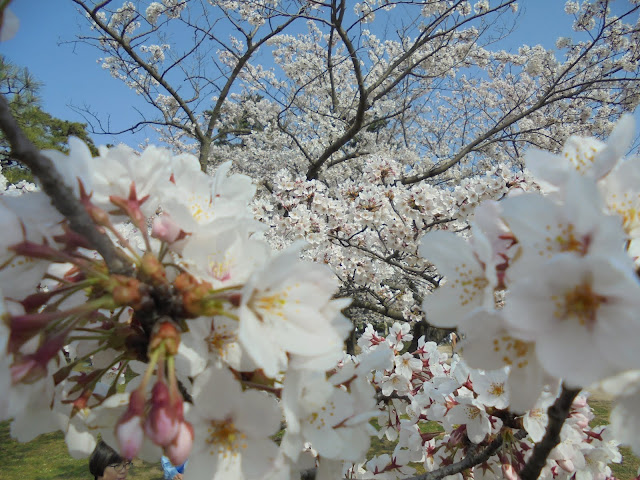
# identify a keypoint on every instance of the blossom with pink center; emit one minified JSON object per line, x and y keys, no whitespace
{"x":398,"y":335}
{"x":407,"y":364}
{"x":578,"y":225}
{"x":472,"y":414}
{"x":223,"y":253}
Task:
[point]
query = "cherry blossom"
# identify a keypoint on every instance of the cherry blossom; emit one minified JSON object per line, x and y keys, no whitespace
{"x":399,"y":159}
{"x":573,"y":309}
{"x":234,"y":429}
{"x":284,"y":303}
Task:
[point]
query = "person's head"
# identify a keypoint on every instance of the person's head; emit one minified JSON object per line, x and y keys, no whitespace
{"x":107,"y":464}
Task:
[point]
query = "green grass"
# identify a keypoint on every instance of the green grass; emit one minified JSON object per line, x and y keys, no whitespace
{"x":46,"y":458}
{"x":630,"y":463}
{"x":15,"y":174}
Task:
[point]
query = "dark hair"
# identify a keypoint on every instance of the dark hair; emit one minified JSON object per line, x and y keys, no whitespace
{"x":103,"y":456}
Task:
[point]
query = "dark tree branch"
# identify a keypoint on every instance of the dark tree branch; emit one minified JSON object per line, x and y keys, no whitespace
{"x":151,"y":71}
{"x":558,"y":413}
{"x":381,"y":309}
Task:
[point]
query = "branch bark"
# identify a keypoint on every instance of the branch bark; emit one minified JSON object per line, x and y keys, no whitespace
{"x":558,"y":413}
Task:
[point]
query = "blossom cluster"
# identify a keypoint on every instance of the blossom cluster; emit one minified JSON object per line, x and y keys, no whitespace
{"x":546,"y":285}
{"x":375,"y":217}
{"x":436,"y":410}
{"x":209,"y":343}
{"x":204,"y":312}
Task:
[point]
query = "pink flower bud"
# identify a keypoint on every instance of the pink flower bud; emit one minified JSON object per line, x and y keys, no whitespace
{"x":566,"y":465}
{"x":508,"y":472}
{"x":161,"y":426}
{"x":579,"y":402}
{"x":581,"y":421}
{"x":130,"y":436}
{"x":162,"y":423}
{"x":166,"y":229}
{"x":136,"y":404}
{"x":129,"y":430}
{"x":178,"y":451}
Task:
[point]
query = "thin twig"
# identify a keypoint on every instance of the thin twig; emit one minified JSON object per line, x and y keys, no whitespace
{"x":61,"y":195}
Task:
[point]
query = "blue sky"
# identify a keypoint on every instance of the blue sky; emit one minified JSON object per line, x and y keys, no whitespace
{"x":72,"y":75}
{"x":70,"y":72}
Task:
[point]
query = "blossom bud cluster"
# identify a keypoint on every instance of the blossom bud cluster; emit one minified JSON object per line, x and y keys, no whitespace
{"x":237,"y":337}
{"x":163,"y":421}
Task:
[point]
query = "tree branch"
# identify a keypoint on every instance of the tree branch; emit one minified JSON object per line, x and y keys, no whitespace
{"x":558,"y":413}
{"x":473,"y":458}
{"x":358,"y":120}
{"x":126,"y":46}
{"x":61,"y":195}
{"x":381,"y":309}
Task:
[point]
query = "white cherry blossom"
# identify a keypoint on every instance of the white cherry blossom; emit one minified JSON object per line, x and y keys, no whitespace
{"x":586,"y":156}
{"x":232,"y":429}
{"x":467,"y":284}
{"x":491,"y":387}
{"x":282,"y":312}
{"x":574,"y":309}
{"x":472,"y":414}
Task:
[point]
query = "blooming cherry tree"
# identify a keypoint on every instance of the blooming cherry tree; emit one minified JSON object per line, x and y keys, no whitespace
{"x":180,"y":270}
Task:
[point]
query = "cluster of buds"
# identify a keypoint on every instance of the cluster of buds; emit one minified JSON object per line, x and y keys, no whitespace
{"x":136,"y":315}
{"x":162,"y":418}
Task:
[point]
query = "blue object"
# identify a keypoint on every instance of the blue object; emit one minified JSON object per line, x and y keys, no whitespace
{"x":169,"y":470}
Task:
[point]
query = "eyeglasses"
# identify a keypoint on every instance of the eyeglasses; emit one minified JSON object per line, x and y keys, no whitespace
{"x":121,"y":467}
